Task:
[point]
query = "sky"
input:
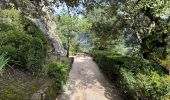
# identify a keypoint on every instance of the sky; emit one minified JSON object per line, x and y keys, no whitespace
{"x":64,"y":9}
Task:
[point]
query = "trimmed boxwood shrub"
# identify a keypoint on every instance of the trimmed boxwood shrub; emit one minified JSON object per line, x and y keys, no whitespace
{"x":22,"y":41}
{"x":60,"y":72}
{"x":137,"y":78}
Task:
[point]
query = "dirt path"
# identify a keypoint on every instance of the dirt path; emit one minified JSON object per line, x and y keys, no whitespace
{"x":87,"y":83}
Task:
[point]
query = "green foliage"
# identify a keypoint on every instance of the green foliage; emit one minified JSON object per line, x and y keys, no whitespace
{"x":151,"y":23}
{"x":68,"y":29}
{"x":137,"y":78}
{"x":59,"y":71}
{"x":145,"y":20}
{"x":105,"y":26}
{"x":3,"y":62}
{"x":22,"y":41}
{"x":144,"y":87}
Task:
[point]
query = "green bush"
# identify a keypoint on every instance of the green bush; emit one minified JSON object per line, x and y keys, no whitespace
{"x":144,"y":87}
{"x":137,"y":78}
{"x":60,"y":72}
{"x":22,"y":41}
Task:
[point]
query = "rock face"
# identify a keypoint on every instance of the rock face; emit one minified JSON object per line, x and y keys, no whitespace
{"x":47,"y":24}
{"x":40,"y":12}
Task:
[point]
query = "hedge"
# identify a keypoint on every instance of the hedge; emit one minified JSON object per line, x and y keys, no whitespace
{"x":137,"y":78}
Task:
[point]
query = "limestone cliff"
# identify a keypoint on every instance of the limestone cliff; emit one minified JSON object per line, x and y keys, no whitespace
{"x":39,"y":11}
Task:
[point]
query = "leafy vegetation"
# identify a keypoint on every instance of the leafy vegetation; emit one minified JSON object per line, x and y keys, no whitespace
{"x":19,"y":35}
{"x":137,"y":78}
{"x":145,"y":21}
{"x":68,"y":28}
{"x":25,"y":46}
{"x":67,"y":31}
{"x":134,"y":35}
{"x":59,"y":71}
{"x":130,"y":32}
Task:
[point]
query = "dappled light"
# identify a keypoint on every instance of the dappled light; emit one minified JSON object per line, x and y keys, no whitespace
{"x":84,"y":49}
{"x":86,"y":82}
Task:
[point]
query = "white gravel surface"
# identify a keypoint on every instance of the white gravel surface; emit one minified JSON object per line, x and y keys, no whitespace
{"x":86,"y":82}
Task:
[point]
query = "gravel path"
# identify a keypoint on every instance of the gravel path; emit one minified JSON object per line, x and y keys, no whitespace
{"x":86,"y":82}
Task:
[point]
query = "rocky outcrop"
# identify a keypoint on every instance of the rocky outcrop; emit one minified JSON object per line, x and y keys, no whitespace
{"x":39,"y":11}
{"x":46,"y":23}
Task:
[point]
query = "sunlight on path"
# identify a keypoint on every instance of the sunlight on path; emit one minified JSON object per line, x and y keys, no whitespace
{"x":87,"y":83}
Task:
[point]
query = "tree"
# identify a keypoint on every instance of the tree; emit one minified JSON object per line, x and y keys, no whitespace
{"x":150,"y":21}
{"x":68,"y":29}
{"x":147,"y":21}
{"x":106,"y":26}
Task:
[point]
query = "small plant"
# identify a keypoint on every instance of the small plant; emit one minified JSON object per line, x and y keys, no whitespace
{"x":3,"y":62}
